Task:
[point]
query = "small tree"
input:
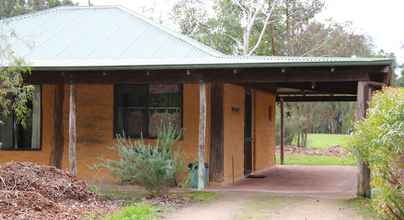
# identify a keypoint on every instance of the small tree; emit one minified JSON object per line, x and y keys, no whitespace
{"x":379,"y":141}
{"x":14,"y":94}
{"x":154,"y":166}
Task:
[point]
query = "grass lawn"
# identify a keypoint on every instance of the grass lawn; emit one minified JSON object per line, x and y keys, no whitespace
{"x":326,"y":140}
{"x":321,"y":141}
{"x":136,"y":208}
{"x":140,"y":211}
{"x":299,"y":159}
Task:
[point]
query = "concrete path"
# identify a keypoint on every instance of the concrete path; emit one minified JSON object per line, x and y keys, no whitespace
{"x":264,"y":206}
{"x":329,"y":181}
{"x":286,"y":193}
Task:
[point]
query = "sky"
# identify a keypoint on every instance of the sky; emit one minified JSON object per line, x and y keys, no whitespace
{"x":381,"y":20}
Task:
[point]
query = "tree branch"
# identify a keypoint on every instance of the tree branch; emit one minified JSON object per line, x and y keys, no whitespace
{"x":266,"y":22}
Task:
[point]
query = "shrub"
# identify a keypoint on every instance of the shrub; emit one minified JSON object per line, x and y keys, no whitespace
{"x":140,"y":211}
{"x":379,"y":141}
{"x":154,"y":166}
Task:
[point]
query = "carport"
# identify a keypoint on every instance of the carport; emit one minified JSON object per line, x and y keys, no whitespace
{"x":333,"y":181}
{"x":316,"y":80}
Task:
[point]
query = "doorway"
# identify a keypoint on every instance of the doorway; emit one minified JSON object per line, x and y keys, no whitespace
{"x":248,"y":133}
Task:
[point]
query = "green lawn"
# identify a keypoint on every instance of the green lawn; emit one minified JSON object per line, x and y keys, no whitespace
{"x":321,"y":141}
{"x":326,"y":140}
{"x":299,"y":159}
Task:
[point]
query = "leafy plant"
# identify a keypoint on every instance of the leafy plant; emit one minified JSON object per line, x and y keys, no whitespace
{"x":154,"y":166}
{"x":139,"y":211}
{"x":379,"y":141}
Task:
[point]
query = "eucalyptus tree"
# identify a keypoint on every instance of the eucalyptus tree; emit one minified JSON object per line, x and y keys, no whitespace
{"x":9,"y":8}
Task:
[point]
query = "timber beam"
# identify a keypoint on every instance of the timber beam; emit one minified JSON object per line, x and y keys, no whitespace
{"x":316,"y":98}
{"x":248,"y":75}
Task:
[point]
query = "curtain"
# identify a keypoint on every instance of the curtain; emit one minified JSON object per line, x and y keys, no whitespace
{"x":36,"y":118}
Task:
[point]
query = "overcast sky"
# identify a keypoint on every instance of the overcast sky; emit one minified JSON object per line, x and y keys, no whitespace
{"x":382,"y":20}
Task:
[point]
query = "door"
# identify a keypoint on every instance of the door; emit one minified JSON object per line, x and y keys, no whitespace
{"x":248,"y":133}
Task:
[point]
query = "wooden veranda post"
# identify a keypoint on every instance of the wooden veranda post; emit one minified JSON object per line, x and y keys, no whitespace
{"x":58,"y":136}
{"x":216,"y":161}
{"x":363,"y":96}
{"x":282,"y":130}
{"x":72,"y":130}
{"x":202,"y":135}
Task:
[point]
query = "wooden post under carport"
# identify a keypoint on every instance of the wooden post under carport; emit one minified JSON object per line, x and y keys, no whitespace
{"x":202,"y":135}
{"x":72,"y":130}
{"x":282,"y":131}
{"x":364,"y":94}
{"x":58,"y":134}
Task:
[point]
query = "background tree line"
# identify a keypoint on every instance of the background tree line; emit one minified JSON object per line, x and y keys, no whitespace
{"x":9,"y":8}
{"x":280,"y":28}
{"x":262,"y":27}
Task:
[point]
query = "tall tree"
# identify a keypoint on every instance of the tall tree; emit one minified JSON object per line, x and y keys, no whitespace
{"x":9,"y":8}
{"x":286,"y":28}
{"x":14,"y":94}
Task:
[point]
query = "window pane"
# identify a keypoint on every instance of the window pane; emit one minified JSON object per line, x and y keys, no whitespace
{"x":143,"y":108}
{"x":131,"y":122}
{"x":6,"y":133}
{"x":166,"y":95}
{"x":159,"y":117}
{"x":133,"y":95}
{"x":14,"y":135}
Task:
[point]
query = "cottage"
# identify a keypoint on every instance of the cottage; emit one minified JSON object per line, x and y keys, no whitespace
{"x":108,"y":70}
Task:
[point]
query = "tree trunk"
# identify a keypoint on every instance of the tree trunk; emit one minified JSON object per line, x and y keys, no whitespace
{"x":202,"y":135}
{"x":58,"y":135}
{"x":72,"y":131}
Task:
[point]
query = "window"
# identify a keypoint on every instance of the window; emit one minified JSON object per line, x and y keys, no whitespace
{"x":14,"y":136}
{"x":141,"y":109}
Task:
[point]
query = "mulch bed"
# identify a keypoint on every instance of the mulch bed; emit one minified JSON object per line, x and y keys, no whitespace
{"x":31,"y":191}
{"x":331,"y":151}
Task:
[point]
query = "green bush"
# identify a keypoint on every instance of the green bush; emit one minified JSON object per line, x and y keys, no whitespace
{"x":154,"y":166}
{"x":379,"y":141}
{"x":135,"y":212}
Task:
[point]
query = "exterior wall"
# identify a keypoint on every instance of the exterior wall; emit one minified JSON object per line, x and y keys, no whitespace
{"x":95,"y":129}
{"x":233,"y":132}
{"x":264,"y":130}
{"x":39,"y":156}
{"x":95,"y":114}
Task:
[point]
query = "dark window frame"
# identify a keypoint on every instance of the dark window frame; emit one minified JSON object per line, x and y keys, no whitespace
{"x":147,"y":107}
{"x":40,"y":127}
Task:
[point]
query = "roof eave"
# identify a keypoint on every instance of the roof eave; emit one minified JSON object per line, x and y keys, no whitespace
{"x":211,"y":66}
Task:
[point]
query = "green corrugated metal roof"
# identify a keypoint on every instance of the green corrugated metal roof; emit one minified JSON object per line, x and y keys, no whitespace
{"x":113,"y":37}
{"x":109,"y":32}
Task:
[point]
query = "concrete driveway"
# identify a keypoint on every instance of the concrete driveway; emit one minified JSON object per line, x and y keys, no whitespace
{"x":329,"y":181}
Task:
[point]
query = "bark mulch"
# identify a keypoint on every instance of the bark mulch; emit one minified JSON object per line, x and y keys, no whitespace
{"x":331,"y":151}
{"x":31,"y":191}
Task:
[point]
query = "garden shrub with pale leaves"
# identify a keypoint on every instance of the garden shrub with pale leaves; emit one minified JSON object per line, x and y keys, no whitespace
{"x":154,"y":166}
{"x":379,"y":141}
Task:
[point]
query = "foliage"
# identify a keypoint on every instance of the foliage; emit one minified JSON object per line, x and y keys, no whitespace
{"x":379,"y":141}
{"x":362,"y":206}
{"x":155,"y":166}
{"x":14,"y":94}
{"x":139,"y":211}
{"x":9,"y":8}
